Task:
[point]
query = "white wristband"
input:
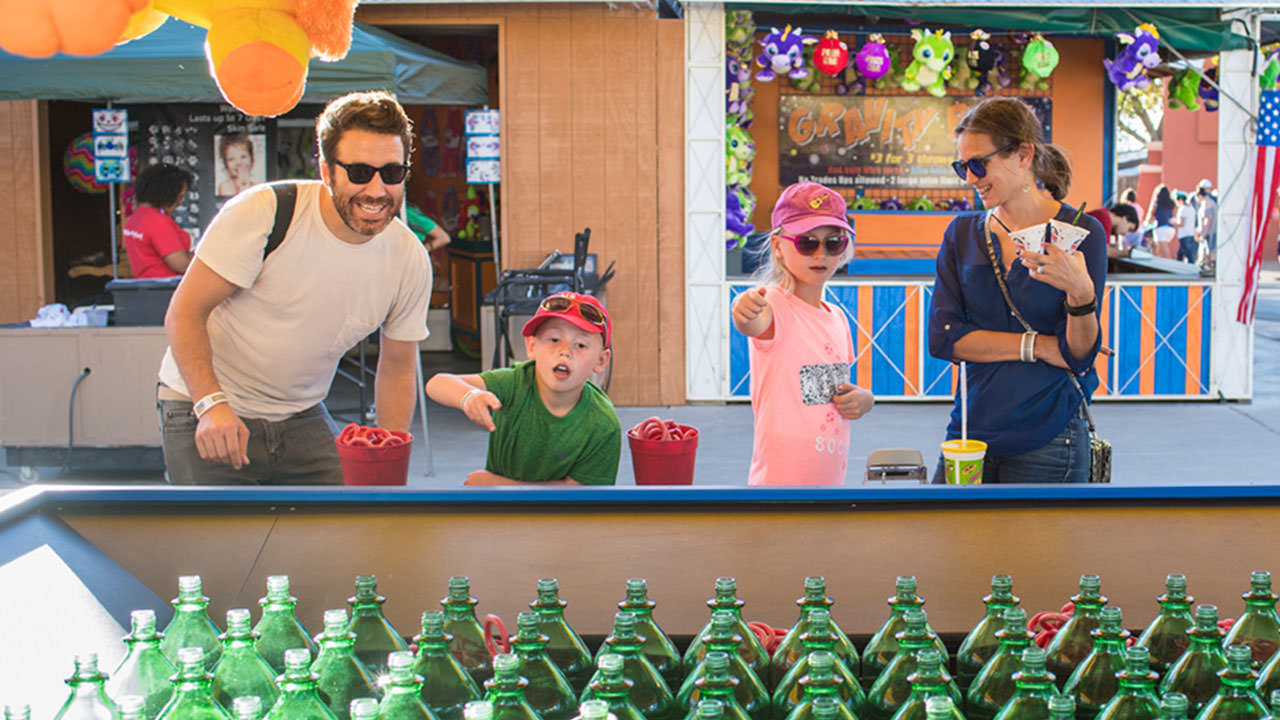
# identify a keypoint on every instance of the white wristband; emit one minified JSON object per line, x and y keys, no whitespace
{"x":206,"y":403}
{"x":462,"y":404}
{"x":1028,"y":348}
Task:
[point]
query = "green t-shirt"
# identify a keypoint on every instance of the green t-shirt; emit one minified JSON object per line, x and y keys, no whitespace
{"x":532,"y":445}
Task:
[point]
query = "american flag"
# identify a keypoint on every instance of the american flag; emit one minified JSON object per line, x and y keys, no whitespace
{"x":1266,"y":181}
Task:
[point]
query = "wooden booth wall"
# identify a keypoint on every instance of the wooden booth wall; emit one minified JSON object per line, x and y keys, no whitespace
{"x":592,"y":136}
{"x":26,"y":275}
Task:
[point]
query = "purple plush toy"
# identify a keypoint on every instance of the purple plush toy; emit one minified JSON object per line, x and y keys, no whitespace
{"x":1141,"y":53}
{"x":783,"y":52}
{"x":892,"y":203}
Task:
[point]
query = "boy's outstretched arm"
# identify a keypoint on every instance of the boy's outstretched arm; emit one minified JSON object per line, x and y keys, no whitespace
{"x":468,"y":394}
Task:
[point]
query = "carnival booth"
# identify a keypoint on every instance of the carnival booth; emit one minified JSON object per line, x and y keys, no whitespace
{"x":864,"y":99}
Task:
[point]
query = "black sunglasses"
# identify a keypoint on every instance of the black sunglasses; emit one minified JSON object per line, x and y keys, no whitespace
{"x":808,"y":244}
{"x":977,"y":165}
{"x":361,"y":173}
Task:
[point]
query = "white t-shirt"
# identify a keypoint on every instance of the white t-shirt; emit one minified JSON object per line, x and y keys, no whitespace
{"x":278,"y":338}
{"x":1187,"y":216}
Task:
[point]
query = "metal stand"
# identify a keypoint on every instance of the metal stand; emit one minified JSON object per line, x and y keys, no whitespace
{"x":422,"y":410}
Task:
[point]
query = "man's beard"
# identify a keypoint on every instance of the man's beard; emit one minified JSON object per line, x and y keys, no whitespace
{"x":349,"y":214}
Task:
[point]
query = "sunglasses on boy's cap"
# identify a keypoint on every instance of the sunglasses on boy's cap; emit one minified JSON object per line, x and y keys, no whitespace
{"x":805,"y":206}
{"x":362,"y":173}
{"x":978,"y":165}
{"x":582,"y":311}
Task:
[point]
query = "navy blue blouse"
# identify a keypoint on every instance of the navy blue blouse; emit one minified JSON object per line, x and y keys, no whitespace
{"x":1014,"y":407}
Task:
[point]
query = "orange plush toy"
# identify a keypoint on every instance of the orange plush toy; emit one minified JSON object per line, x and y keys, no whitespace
{"x":257,"y":49}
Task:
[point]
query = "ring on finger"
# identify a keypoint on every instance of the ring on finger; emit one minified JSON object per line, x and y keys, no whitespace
{"x":1039,"y":269}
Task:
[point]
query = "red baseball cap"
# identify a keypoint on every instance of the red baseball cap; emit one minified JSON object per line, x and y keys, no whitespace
{"x":807,"y":205}
{"x":569,"y":306}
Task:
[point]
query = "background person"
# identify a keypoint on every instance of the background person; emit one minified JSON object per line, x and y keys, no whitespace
{"x":255,"y":343}
{"x":1022,"y":401}
{"x":1186,"y":224}
{"x":237,"y":159}
{"x":1160,"y":213}
{"x":1133,"y":238}
{"x":1207,"y":217}
{"x":157,"y":247}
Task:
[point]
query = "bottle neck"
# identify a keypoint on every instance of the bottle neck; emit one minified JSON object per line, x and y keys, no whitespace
{"x":1029,"y":683}
{"x":403,"y":686}
{"x":1088,"y":606}
{"x":549,"y":608}
{"x":1259,"y":603}
{"x":997,"y":606}
{"x":899,"y":606}
{"x":815,"y":687}
{"x":1205,"y":640}
{"x":642,"y":609}
{"x":626,"y":647}
{"x":366,"y":608}
{"x":139,"y":644}
{"x":526,"y":647}
{"x":506,"y":691}
{"x":337,"y":644}
{"x":460,"y":609}
{"x":272,"y":605}
{"x":611,"y":687}
{"x":1133,"y":684}
{"x":732,"y":604}
{"x":1180,"y":605}
{"x":432,"y":647}
{"x":1013,"y":642}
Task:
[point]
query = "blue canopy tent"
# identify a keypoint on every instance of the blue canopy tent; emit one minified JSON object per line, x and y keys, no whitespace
{"x":169,"y":65}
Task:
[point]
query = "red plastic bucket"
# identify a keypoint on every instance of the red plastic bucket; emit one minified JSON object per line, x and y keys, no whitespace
{"x":376,"y":465}
{"x":664,"y":462}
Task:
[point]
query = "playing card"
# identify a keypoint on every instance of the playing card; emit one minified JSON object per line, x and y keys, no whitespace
{"x":1067,"y":236}
{"x":1030,"y":239}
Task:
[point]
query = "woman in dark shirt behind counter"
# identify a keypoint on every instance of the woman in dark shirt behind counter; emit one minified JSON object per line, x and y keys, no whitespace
{"x":1160,"y":212}
{"x":1022,"y":401}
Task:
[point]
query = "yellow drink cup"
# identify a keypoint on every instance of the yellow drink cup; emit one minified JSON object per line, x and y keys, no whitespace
{"x":962,"y":461}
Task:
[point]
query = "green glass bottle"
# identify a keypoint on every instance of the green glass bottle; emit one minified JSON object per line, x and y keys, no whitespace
{"x":1135,"y":699}
{"x":467,"y":646}
{"x":820,"y":687}
{"x":1258,"y":627}
{"x":193,"y":691}
{"x":88,"y":699}
{"x":241,"y":671}
{"x":1093,"y":683}
{"x":658,"y":648}
{"x":1274,"y":703}
{"x":17,"y":712}
{"x":790,"y":649}
{"x":1173,"y":706}
{"x":364,"y":709}
{"x":649,"y":693}
{"x":278,"y":629}
{"x":340,"y":676}
{"x":1195,"y":674}
{"x":248,"y":707}
{"x":1166,"y":637}
{"x":299,"y":690}
{"x":822,"y":708}
{"x":505,"y":690}
{"x":143,"y":670}
{"x":191,"y":626}
{"x":819,"y":639}
{"x":548,"y":692}
{"x":1237,"y":697}
{"x":131,"y":707}
{"x":750,"y":649}
{"x":611,"y":686}
{"x":402,"y":695}
{"x":564,"y":645}
{"x":593,"y":710}
{"x":942,"y":707}
{"x":981,"y":642}
{"x":709,"y":710}
{"x":715,"y":682}
{"x":883,"y":645}
{"x":927,"y":682}
{"x":1073,"y":641}
{"x":1033,"y":690}
{"x":478,"y":710}
{"x":1269,"y":677}
{"x":892,"y":688}
{"x":994,"y":684}
{"x":447,"y":687}
{"x":375,"y":637}
{"x":750,"y":692}
{"x":1062,"y":707}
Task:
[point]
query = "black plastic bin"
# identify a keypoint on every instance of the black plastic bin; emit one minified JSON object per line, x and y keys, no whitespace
{"x":141,"y":301}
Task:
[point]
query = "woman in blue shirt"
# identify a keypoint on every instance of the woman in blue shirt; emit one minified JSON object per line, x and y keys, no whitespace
{"x":1022,"y":401}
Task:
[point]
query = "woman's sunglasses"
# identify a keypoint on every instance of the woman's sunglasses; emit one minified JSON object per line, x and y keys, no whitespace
{"x":977,"y":165}
{"x":586,"y":311}
{"x":808,"y":244}
{"x":361,"y":173}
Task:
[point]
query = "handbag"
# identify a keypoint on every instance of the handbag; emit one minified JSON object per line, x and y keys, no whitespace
{"x":1099,"y":449}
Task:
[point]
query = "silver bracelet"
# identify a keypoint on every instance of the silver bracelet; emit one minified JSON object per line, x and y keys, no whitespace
{"x":1028,"y":349}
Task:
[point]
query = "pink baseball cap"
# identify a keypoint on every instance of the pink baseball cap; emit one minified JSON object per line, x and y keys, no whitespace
{"x":807,"y":205}
{"x":582,"y":311}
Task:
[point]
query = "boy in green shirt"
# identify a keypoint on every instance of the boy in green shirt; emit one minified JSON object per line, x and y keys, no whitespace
{"x":547,"y":423}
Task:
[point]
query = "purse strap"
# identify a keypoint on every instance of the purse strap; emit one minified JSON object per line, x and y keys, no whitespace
{"x":1004,"y":290}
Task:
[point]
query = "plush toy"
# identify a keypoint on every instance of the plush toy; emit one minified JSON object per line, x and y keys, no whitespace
{"x":739,"y":28}
{"x":740,"y":203}
{"x":849,"y":81}
{"x":960,"y":75}
{"x":1039,"y":59}
{"x":739,"y":152}
{"x":959,"y":204}
{"x":831,"y":55}
{"x":737,"y":90}
{"x":809,"y":82}
{"x":1141,"y":53}
{"x":468,"y":216}
{"x":982,"y":57}
{"x":783,"y":52}
{"x":257,"y":51}
{"x":1184,"y":90}
{"x":931,"y":65}
{"x":874,"y":60}
{"x":1208,"y":92}
{"x":921,"y":204}
{"x":894,"y":77}
{"x":862,"y":202}
{"x":1270,"y":71}
{"x":892,"y":203}
{"x":1003,"y":78}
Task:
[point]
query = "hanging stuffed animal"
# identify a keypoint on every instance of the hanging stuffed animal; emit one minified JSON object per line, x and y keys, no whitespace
{"x":893,"y":78}
{"x":257,"y":51}
{"x":960,"y":75}
{"x":931,"y":65}
{"x":737,"y":91}
{"x":740,"y":203}
{"x":783,"y":52}
{"x":1209,"y":92}
{"x":982,"y":56}
{"x":848,"y":81}
{"x":739,"y":28}
{"x":468,"y":216}
{"x":1270,"y":71}
{"x":809,"y":82}
{"x":739,"y":152}
{"x":921,"y":204}
{"x":874,"y":61}
{"x":1184,"y":90}
{"x":1003,"y":79}
{"x":1141,"y":53}
{"x":831,"y":55}
{"x":1039,"y":59}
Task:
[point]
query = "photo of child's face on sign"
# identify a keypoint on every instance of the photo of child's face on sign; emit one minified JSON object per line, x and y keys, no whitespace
{"x":239,"y":162}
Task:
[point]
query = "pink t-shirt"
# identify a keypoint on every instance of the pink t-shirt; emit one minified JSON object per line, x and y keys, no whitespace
{"x":149,"y":235}
{"x":800,"y":438}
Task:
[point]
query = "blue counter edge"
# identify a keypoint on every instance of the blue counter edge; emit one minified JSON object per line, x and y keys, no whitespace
{"x":29,"y":499}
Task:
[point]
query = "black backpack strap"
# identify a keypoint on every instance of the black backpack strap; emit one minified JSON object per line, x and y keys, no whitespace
{"x":286,"y":200}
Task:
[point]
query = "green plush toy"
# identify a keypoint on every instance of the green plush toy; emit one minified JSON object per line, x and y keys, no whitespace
{"x":810,"y":82}
{"x":739,"y":28}
{"x":930,"y":67}
{"x":893,"y":78}
{"x":1038,"y":62}
{"x":921,"y":204}
{"x":1184,"y":90}
{"x":740,"y":150}
{"x":862,"y":202}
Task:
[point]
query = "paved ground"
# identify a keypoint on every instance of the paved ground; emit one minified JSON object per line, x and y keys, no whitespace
{"x":1155,"y":442}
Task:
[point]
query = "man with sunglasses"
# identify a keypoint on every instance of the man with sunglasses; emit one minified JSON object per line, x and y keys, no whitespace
{"x":256,"y":330}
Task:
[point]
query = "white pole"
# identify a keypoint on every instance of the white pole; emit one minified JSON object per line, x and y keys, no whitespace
{"x":964,"y":405}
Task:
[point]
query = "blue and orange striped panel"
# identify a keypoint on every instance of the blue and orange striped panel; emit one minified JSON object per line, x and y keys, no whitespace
{"x":1161,"y":339}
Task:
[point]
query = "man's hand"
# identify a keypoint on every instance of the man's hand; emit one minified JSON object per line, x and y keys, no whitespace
{"x":478,"y":405}
{"x":221,"y":436}
{"x":852,"y":402}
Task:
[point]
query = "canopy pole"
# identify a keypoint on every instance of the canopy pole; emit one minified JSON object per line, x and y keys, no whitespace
{"x":111,"y":218}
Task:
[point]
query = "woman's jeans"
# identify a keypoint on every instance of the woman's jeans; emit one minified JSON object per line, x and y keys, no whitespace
{"x":1064,"y":459}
